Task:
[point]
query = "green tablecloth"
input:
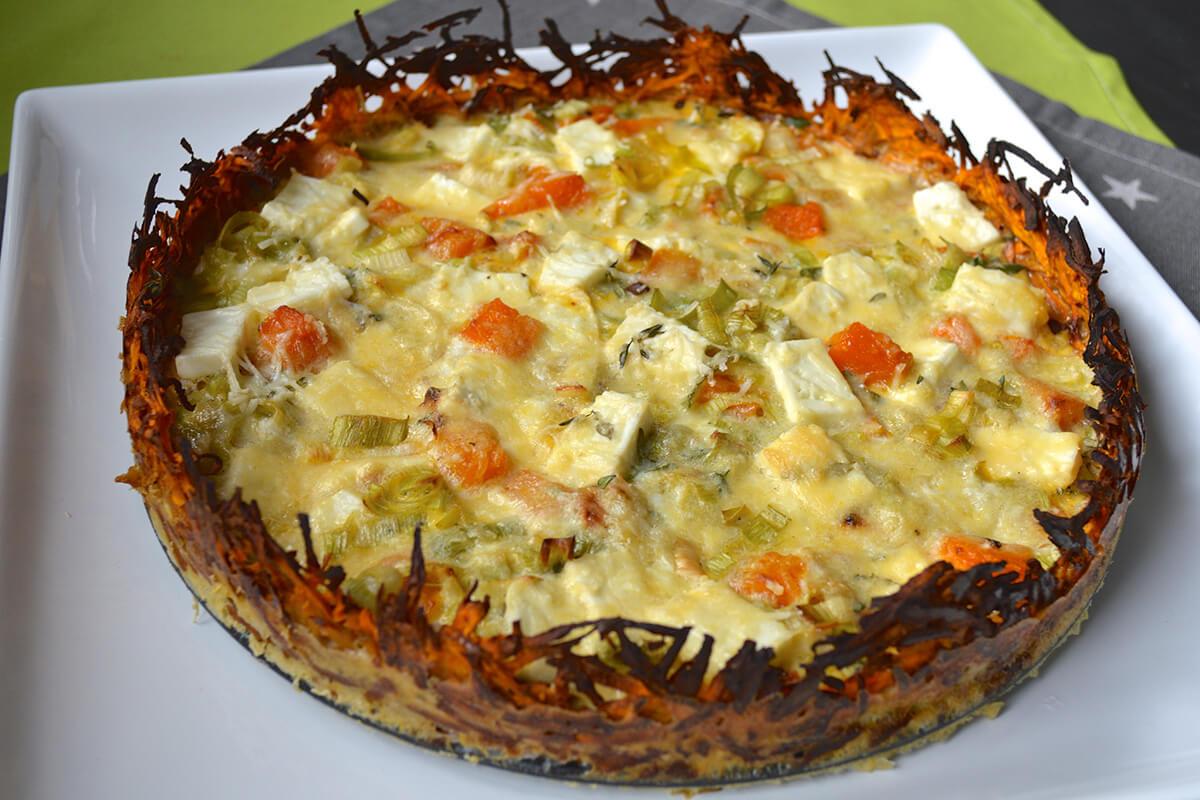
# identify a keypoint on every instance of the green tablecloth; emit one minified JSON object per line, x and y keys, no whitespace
{"x":83,"y":41}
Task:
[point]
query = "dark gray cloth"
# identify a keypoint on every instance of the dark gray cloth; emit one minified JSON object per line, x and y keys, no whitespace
{"x":1153,"y":192}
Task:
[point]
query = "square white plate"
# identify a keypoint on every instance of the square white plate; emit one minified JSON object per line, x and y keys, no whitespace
{"x":114,"y":687}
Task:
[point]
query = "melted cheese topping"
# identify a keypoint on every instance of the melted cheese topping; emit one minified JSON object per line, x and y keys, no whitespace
{"x":614,"y":364}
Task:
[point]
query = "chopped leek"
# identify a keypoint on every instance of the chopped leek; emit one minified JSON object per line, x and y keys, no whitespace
{"x":367,"y":431}
{"x":412,"y":492}
{"x":997,"y":393}
{"x":366,"y":587}
{"x":943,"y":279}
{"x":380,"y":154}
{"x":722,"y":297}
{"x":708,"y":323}
{"x":946,"y":431}
{"x":777,"y":193}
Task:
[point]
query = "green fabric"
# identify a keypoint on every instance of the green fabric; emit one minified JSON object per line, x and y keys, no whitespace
{"x":1019,"y":39}
{"x":85,"y":41}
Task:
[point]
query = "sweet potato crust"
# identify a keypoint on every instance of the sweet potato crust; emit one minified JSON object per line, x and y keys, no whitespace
{"x":923,"y":658}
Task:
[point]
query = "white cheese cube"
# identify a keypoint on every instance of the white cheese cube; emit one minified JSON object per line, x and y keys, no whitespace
{"x":212,"y":340}
{"x":457,"y":292}
{"x":459,"y":142}
{"x":585,"y":144}
{"x":1049,"y":460}
{"x":342,"y":230}
{"x":306,"y":205}
{"x":854,"y":275}
{"x":810,"y":383}
{"x":579,"y":261}
{"x":945,"y":212}
{"x":309,"y":286}
{"x":859,"y":177}
{"x":599,"y":442}
{"x":523,"y":130}
{"x":801,"y":452}
{"x":995,"y":302}
{"x":444,"y":195}
{"x":673,"y":362}
{"x":725,"y":145}
{"x":334,"y":511}
{"x":816,"y":309}
{"x":933,"y":357}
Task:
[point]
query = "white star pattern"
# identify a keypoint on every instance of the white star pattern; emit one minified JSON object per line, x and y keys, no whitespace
{"x":1128,"y":193}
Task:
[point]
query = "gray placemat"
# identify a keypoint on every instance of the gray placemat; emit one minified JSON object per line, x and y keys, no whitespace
{"x":1152,"y":191}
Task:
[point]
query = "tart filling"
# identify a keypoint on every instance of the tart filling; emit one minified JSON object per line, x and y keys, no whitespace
{"x":657,"y":361}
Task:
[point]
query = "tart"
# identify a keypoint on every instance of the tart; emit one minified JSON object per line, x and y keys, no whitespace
{"x":631,"y":422}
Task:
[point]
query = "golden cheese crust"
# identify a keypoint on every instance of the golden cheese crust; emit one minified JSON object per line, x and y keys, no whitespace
{"x":647,"y":707}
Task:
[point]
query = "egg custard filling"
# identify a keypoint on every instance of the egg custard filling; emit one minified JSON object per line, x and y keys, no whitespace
{"x":662,"y":362}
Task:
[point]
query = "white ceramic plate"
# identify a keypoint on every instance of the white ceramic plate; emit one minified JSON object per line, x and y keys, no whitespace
{"x":113,"y":685}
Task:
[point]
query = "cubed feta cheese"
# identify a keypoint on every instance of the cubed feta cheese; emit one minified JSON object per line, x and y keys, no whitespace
{"x":457,"y":292}
{"x":444,"y":195}
{"x":726,"y":144}
{"x":1049,"y":460}
{"x":933,"y":357}
{"x":801,"y":452}
{"x":854,"y":275}
{"x":945,"y":212}
{"x":308,"y":287}
{"x":674,"y":360}
{"x":859,"y":177}
{"x":585,"y":144}
{"x":212,"y":340}
{"x":334,"y":511}
{"x":306,"y":205}
{"x":464,"y":142}
{"x":811,"y":386}
{"x":579,"y":261}
{"x":598,"y":442}
{"x":995,"y":302}
{"x":342,"y":230}
{"x":816,"y":309}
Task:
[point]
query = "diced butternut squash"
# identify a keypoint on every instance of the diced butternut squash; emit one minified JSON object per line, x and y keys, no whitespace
{"x":296,"y":341}
{"x":501,"y":329}
{"x":869,"y":354}
{"x":964,"y":552}
{"x":773,"y":579}
{"x":796,"y":222}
